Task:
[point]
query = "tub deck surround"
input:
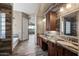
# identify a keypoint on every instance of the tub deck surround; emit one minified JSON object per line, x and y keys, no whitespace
{"x":59,"y":41}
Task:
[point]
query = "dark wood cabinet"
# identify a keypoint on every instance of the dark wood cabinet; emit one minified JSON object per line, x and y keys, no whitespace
{"x":52,"y":49}
{"x":39,"y":41}
{"x":62,"y":51}
{"x":59,"y":50}
{"x":42,"y":43}
{"x":67,"y":52}
{"x":51,"y":18}
{"x":38,"y":38}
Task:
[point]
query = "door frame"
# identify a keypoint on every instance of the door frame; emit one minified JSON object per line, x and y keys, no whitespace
{"x":27,"y":17}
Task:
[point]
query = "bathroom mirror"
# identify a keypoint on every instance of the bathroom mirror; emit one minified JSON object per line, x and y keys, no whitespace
{"x":70,"y":24}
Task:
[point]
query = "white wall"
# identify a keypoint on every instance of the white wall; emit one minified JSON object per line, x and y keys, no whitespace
{"x":41,"y":26}
{"x":17,"y":23}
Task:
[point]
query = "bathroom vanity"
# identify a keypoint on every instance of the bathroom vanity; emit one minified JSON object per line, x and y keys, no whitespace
{"x":57,"y":46}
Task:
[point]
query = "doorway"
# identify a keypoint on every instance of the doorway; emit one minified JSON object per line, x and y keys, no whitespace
{"x":32,"y":30}
{"x":25,"y":29}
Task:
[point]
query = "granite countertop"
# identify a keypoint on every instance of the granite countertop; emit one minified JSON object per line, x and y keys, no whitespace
{"x":69,"y":46}
{"x":44,"y":37}
{"x":60,"y":41}
{"x":48,"y":38}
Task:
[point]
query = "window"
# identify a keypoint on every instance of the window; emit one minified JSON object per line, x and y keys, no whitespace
{"x":2,"y":25}
{"x":68,"y":27}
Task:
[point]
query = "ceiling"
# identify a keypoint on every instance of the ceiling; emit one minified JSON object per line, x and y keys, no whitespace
{"x":28,"y":8}
{"x":43,"y":8}
{"x":31,"y":9}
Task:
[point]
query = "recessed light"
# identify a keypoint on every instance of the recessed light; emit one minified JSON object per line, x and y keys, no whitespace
{"x":68,"y":6}
{"x":61,"y":9}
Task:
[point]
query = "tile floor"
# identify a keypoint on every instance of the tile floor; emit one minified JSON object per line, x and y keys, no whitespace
{"x":29,"y":48}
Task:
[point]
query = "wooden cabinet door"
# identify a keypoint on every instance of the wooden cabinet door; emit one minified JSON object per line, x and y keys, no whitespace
{"x":68,"y":53}
{"x":59,"y":51}
{"x":44,"y":44}
{"x":38,"y":40}
{"x":51,"y":49}
{"x":51,"y":21}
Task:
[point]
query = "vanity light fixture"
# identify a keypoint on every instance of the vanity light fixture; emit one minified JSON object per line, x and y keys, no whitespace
{"x":44,"y":20}
{"x":61,"y":9}
{"x":68,"y":6}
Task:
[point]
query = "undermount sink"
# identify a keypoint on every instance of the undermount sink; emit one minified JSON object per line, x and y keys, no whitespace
{"x":49,"y":37}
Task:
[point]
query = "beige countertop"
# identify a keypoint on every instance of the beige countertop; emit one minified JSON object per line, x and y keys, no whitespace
{"x":58,"y":40}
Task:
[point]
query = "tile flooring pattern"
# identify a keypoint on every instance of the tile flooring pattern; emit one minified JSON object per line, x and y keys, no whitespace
{"x":29,"y":48}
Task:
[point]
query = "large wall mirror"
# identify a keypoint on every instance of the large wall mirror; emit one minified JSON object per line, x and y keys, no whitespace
{"x":70,"y":24}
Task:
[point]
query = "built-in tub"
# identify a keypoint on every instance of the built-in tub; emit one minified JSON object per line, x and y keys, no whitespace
{"x":15,"y":41}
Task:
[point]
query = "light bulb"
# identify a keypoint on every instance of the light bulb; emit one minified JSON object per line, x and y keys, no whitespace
{"x":61,"y":9}
{"x":68,"y":6}
{"x":44,"y":20}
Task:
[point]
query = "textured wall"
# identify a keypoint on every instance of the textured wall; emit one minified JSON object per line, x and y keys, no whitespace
{"x":41,"y":26}
{"x":19,"y":22}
